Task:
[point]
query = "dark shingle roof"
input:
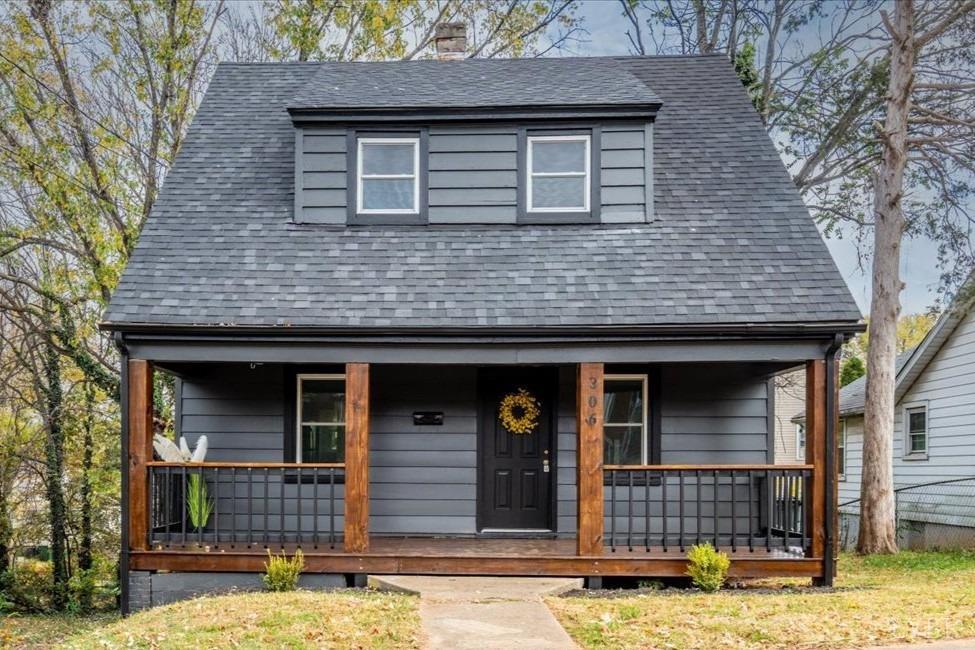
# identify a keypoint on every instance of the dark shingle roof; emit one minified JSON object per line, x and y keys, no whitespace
{"x":732,"y":241}
{"x":472,"y":83}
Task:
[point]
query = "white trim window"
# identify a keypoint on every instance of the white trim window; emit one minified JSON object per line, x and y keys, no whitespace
{"x":841,"y":452}
{"x":320,"y":418}
{"x":625,"y":420}
{"x":916,"y":430}
{"x":558,"y":178}
{"x":388,"y":176}
{"x":800,"y":442}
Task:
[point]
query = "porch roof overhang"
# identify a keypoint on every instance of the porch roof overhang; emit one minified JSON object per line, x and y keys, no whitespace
{"x":786,"y":342}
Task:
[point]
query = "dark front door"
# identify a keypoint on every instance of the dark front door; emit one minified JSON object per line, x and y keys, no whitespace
{"x":516,"y":470}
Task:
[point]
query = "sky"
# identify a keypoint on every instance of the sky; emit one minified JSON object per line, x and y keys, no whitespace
{"x":607,"y":36}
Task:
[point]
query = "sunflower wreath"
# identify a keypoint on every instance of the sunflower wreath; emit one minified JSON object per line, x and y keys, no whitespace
{"x":519,"y":412}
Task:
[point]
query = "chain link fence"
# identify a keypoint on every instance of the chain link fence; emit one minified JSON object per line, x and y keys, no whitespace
{"x":936,"y":515}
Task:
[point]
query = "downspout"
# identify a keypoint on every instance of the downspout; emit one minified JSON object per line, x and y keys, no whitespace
{"x":829,"y":553}
{"x":123,"y":562}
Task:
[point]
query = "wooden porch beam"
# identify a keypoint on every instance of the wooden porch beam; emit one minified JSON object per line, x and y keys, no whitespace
{"x":140,"y":450}
{"x":816,"y":454}
{"x":357,"y":457}
{"x":589,"y":461}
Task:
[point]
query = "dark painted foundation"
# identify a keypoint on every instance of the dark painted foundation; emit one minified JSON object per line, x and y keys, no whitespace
{"x":150,"y":589}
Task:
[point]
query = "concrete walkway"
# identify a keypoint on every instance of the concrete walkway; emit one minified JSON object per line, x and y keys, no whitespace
{"x":491,"y":613}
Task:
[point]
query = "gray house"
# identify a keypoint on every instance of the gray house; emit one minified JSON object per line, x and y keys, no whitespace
{"x":504,"y":317}
{"x":934,"y":435}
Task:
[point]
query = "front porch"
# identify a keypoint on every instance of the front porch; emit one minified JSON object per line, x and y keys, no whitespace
{"x":387,"y":508}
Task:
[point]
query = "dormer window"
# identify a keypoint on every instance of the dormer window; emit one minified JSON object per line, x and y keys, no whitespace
{"x":558,"y":173}
{"x":387,"y":178}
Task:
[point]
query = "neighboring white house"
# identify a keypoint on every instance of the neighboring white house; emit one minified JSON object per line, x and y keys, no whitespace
{"x":934,"y":434}
{"x":790,"y":401}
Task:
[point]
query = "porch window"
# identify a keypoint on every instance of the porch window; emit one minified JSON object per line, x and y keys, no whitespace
{"x":320,"y":434}
{"x":625,"y":420}
{"x":916,"y":424}
{"x":388,"y":176}
{"x":558,"y":173}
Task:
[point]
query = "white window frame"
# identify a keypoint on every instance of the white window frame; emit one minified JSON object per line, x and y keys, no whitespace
{"x":800,"y":441}
{"x":415,"y":175}
{"x":909,"y":454}
{"x":841,"y":451}
{"x":299,"y":422}
{"x":644,"y":442}
{"x":587,"y":174}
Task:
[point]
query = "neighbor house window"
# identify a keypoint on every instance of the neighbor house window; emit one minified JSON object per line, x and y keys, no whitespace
{"x":801,"y":442}
{"x":625,"y":420}
{"x":841,"y":451}
{"x":558,"y":173}
{"x":320,"y":419}
{"x":388,"y":179}
{"x":916,"y":419}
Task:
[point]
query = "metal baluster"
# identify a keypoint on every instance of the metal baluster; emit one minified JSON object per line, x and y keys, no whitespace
{"x":298,"y":532}
{"x":714,"y":496}
{"x":612,"y":511}
{"x":315,"y":502}
{"x":216,"y":507}
{"x":787,"y":509}
{"x":629,"y":512}
{"x":680,"y":482}
{"x":771,"y":507}
{"x":233,"y":506}
{"x":646,"y":512}
{"x":202,"y":479}
{"x":183,"y":518}
{"x":153,"y":506}
{"x":663,"y":508}
{"x":281,"y":534}
{"x":751,"y":521}
{"x":697,"y":474}
{"x":168,"y":511}
{"x":331,"y":507}
{"x":250,"y":507}
{"x":267,"y":505}
{"x":734,"y":513}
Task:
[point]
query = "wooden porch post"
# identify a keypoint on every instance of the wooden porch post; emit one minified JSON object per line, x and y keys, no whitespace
{"x":140,"y":450}
{"x":589,"y":459}
{"x":357,"y":457}
{"x":816,"y":454}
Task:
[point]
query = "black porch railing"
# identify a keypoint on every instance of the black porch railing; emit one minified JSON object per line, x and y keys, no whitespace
{"x":736,"y":507}
{"x":245,"y":505}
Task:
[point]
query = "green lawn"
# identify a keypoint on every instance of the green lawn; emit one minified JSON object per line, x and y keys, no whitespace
{"x":347,"y":619}
{"x":908,"y":597}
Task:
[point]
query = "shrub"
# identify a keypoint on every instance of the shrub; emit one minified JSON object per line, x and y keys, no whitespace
{"x":198,"y":501}
{"x":707,"y":567}
{"x":283,"y":572}
{"x":28,"y":586}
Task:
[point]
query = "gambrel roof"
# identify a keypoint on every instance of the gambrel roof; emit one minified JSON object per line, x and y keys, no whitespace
{"x":731,"y":241}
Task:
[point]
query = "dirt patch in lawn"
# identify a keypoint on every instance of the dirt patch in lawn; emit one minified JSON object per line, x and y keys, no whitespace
{"x":908,"y":597}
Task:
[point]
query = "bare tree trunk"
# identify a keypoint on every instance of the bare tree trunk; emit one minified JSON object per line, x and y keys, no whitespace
{"x":85,"y":555}
{"x":878,"y":532}
{"x":54,"y":466}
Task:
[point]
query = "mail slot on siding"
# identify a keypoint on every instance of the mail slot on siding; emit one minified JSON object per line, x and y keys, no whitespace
{"x":428,"y":418}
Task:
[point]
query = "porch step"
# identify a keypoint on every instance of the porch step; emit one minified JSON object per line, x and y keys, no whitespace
{"x":475,"y":588}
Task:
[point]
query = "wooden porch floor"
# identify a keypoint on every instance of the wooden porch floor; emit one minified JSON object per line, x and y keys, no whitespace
{"x":470,"y":556}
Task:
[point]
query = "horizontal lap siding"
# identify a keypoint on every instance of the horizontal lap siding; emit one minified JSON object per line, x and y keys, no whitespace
{"x":323,"y":177}
{"x":947,"y":386}
{"x":623,"y":174}
{"x":473,"y":175}
{"x":423,"y":479}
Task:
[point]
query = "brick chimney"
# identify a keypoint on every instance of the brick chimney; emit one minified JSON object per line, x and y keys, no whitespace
{"x":451,"y":41}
